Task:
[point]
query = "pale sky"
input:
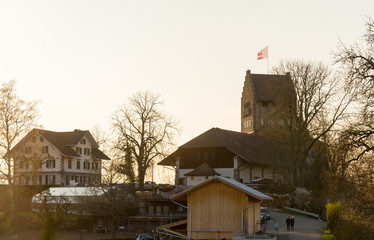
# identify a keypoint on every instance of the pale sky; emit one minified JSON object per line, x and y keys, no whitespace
{"x":82,"y":59}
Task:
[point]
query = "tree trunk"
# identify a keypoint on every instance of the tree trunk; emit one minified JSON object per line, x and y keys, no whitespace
{"x":141,"y":176}
{"x":113,"y":228}
{"x":12,"y":205}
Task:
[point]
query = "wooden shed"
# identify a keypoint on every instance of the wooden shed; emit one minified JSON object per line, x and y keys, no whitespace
{"x":219,"y":207}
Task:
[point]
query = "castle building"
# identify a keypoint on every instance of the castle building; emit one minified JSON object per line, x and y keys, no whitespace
{"x":244,"y":156}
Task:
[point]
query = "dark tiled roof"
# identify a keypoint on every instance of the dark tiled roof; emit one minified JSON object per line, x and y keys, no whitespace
{"x":269,"y":87}
{"x":64,"y":141}
{"x":203,"y":170}
{"x":250,"y":147}
{"x":99,"y":154}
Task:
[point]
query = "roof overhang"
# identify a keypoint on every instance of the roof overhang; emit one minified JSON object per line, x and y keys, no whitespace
{"x":182,"y":196}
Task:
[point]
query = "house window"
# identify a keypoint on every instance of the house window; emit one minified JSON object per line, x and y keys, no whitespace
{"x":78,"y":164}
{"x":33,"y":139}
{"x":86,"y":151}
{"x":41,"y":139}
{"x":67,"y":180}
{"x":151,"y":210}
{"x":86,"y":165}
{"x":46,"y":179}
{"x":21,"y":163}
{"x":69,"y":163}
{"x":83,"y":141}
{"x":51,"y":163}
{"x":45,"y":149}
{"x":40,"y":180}
{"x":265,"y":104}
{"x":166,"y":209}
{"x":79,"y":150}
{"x":158,"y":210}
{"x":28,"y":149}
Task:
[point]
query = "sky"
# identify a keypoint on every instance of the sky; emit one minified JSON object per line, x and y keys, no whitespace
{"x":82,"y":59}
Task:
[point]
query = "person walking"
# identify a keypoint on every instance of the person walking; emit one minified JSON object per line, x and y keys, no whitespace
{"x":292,"y":222}
{"x":288,"y":223}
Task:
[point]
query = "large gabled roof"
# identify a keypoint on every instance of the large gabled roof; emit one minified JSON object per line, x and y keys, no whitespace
{"x":230,"y":182}
{"x":64,"y":141}
{"x":250,"y":147}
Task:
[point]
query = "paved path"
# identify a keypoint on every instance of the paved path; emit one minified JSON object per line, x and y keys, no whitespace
{"x":305,"y":228}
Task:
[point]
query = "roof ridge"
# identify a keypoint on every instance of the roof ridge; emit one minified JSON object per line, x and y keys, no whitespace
{"x":219,"y":135}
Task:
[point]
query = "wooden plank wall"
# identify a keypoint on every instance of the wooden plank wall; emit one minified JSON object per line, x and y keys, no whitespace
{"x":216,"y":211}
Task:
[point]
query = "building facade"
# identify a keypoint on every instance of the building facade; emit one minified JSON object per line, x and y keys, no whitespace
{"x":217,"y":209}
{"x":234,"y":155}
{"x":57,"y":158}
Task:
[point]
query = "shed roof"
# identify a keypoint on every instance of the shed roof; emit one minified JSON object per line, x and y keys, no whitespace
{"x":71,"y":191}
{"x":230,"y":182}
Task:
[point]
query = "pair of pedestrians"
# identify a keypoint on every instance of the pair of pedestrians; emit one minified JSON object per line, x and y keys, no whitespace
{"x":290,"y":222}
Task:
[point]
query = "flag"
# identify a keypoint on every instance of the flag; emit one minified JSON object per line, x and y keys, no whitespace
{"x":263,"y":53}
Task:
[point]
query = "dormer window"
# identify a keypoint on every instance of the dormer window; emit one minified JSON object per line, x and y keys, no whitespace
{"x":83,"y":141}
{"x":79,"y":150}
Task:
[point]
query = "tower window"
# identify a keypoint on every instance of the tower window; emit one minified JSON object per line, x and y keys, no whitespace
{"x":247,"y":109}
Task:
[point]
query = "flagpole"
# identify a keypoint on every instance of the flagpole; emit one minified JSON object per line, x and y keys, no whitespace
{"x":268,"y":58}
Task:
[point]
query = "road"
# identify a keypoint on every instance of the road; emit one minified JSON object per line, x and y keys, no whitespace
{"x":305,"y":228}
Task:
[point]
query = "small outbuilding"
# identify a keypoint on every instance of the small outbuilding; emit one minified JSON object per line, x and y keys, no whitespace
{"x":218,"y":208}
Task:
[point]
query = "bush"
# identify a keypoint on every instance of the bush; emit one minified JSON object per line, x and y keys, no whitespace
{"x":302,"y":198}
{"x":345,"y":223}
{"x":334,"y":213}
{"x":327,"y":235}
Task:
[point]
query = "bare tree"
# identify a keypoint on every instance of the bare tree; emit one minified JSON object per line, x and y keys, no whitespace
{"x":51,"y":212}
{"x":16,"y":118}
{"x":353,"y":171}
{"x":109,"y":200}
{"x":320,"y":102}
{"x":357,"y":60}
{"x":144,"y":132}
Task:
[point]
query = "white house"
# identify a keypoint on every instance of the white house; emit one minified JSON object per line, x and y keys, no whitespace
{"x":57,"y":158}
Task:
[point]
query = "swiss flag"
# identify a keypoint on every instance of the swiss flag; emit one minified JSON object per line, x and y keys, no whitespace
{"x":263,"y":53}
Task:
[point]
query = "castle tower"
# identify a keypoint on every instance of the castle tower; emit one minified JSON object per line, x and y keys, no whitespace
{"x":264,"y":96}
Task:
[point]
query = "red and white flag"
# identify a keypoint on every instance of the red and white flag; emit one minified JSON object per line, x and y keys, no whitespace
{"x":263,"y":53}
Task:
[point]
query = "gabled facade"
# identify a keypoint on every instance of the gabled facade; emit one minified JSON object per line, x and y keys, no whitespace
{"x":57,"y":158}
{"x":217,"y":209}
